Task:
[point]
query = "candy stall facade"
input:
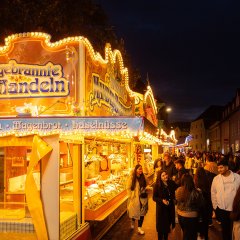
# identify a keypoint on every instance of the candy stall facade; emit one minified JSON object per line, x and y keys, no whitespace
{"x":69,"y":134}
{"x":146,"y":148}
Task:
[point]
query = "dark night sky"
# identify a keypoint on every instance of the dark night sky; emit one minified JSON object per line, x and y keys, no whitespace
{"x":190,"y":49}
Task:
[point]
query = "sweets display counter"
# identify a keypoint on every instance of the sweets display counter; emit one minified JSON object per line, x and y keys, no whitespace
{"x":103,"y":194}
{"x":104,"y":183}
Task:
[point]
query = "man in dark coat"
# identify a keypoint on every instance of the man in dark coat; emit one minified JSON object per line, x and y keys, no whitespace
{"x":211,"y":170}
{"x":179,"y":164}
{"x":169,"y":166}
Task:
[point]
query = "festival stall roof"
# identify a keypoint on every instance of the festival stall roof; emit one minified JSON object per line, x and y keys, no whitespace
{"x":66,"y":78}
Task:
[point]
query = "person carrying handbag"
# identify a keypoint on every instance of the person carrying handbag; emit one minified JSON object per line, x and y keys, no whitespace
{"x":137,"y":206}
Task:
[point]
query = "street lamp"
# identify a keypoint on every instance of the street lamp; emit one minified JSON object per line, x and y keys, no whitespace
{"x":162,"y":116}
{"x":168,"y":109}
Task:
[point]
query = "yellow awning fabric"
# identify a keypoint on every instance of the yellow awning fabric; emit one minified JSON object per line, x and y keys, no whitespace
{"x":40,"y":150}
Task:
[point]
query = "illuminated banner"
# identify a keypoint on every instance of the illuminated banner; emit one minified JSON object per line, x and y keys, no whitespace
{"x":112,"y":96}
{"x":107,"y":90}
{"x":63,"y":78}
{"x":65,"y":125}
{"x":25,"y":80}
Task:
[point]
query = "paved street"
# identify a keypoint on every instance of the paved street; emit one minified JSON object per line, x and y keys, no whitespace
{"x":121,"y":230}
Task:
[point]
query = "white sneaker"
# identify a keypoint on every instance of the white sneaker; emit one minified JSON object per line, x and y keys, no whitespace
{"x":218,"y":222}
{"x":140,"y":231}
{"x":132,"y":224}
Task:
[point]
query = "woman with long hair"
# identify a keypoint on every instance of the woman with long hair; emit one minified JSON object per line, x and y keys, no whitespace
{"x":202,"y":184}
{"x":137,"y":197}
{"x":235,"y":216}
{"x":164,"y":195}
{"x":189,"y":203}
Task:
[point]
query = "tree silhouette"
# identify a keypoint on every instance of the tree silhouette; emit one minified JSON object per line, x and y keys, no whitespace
{"x":60,"y":19}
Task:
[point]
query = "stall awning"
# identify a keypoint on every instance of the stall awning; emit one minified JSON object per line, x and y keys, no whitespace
{"x":76,"y":127}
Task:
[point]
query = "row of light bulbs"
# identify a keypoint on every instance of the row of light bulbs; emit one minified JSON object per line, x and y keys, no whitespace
{"x":110,"y":55}
{"x":78,"y":134}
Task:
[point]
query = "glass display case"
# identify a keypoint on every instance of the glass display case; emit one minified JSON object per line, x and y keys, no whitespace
{"x":66,"y":178}
{"x":66,"y":196}
{"x":106,"y":173}
{"x":148,"y":160}
{"x":15,"y":160}
{"x":104,"y":190}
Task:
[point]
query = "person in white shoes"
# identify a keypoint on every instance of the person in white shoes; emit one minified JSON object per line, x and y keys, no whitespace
{"x":137,"y":206}
{"x":223,"y":191}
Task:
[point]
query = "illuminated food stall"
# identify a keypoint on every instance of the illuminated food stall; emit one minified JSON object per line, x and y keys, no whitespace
{"x":168,"y":141}
{"x":146,"y":148}
{"x":68,"y":133}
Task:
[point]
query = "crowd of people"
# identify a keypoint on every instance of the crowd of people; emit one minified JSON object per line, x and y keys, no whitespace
{"x":189,"y":189}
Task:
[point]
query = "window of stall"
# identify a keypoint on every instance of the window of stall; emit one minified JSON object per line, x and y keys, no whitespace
{"x":106,"y":171}
{"x":70,"y":188}
{"x":14,"y":161}
{"x":148,"y":159}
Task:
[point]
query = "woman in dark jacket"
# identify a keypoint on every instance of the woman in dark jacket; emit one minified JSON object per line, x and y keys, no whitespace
{"x":164,"y":195}
{"x":235,"y":216}
{"x":202,"y":184}
{"x":189,"y":203}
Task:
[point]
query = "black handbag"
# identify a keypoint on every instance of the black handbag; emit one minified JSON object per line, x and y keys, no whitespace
{"x":143,"y":195}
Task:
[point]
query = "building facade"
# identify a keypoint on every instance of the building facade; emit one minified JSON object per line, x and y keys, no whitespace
{"x":215,"y":137}
{"x":218,"y":128}
{"x":230,"y":125}
{"x":199,"y":135}
{"x":200,"y":129}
